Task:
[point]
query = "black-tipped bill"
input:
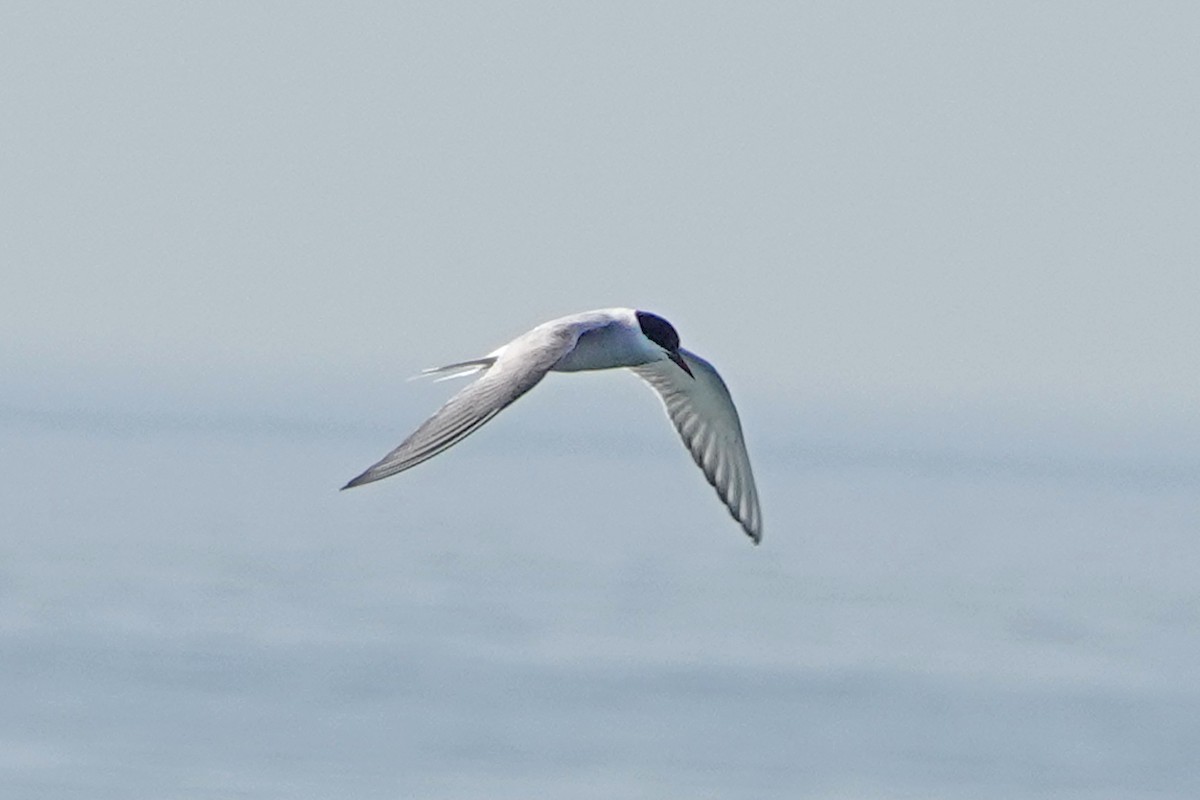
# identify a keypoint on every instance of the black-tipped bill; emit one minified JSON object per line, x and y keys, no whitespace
{"x":678,"y":359}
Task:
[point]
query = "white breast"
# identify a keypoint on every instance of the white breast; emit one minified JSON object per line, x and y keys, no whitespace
{"x":615,"y":344}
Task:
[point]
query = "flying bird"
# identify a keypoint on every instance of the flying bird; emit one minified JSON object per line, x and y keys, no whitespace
{"x":696,"y":399}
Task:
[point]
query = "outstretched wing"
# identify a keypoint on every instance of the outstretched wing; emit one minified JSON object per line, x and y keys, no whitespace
{"x":518,"y":369}
{"x":704,"y":414}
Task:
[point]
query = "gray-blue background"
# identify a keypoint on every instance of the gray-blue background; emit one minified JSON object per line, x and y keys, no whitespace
{"x":945,"y":255}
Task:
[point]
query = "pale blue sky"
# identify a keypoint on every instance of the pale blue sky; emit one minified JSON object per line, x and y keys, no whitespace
{"x":929,"y":206}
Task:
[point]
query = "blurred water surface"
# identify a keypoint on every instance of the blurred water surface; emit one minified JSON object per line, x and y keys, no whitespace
{"x":199,"y":613}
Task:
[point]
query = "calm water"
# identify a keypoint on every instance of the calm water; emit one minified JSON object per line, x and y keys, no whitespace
{"x":199,"y":614}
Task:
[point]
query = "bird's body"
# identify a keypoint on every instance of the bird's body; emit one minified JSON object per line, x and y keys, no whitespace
{"x":696,"y":398}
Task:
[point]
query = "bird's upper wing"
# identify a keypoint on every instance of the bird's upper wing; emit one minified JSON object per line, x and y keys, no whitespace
{"x":517,"y":369}
{"x":704,"y":415}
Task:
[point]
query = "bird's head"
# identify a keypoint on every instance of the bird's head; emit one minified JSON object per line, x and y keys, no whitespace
{"x":663,"y":334}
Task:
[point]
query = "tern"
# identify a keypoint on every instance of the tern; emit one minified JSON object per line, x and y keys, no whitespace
{"x":696,"y":399}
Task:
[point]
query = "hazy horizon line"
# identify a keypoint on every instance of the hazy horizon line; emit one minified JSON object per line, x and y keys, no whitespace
{"x":891,"y":449}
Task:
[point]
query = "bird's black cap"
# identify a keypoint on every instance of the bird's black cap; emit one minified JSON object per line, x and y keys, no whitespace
{"x":663,"y":334}
{"x":658,"y":330}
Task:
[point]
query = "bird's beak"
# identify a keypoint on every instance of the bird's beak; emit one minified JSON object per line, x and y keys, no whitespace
{"x":678,"y":359}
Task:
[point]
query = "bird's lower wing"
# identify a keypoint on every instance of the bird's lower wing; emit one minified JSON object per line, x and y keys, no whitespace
{"x":703,"y":413}
{"x":514,"y":373}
